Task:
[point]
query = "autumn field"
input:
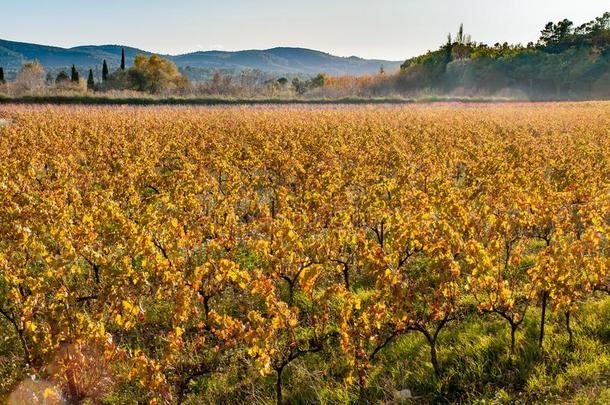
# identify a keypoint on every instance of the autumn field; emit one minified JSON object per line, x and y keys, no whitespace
{"x":442,"y":253}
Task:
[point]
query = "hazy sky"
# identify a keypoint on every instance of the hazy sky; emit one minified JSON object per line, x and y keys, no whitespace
{"x":385,"y":29}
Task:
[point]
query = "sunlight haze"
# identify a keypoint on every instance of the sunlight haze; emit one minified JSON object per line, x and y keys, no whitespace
{"x":383,"y":29}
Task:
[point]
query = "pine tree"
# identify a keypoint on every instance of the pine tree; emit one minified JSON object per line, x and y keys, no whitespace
{"x":90,"y":81}
{"x":74,"y":76}
{"x":122,"y":58}
{"x":2,"y":75}
{"x":105,"y":72}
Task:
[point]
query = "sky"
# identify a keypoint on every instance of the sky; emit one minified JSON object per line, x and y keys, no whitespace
{"x":380,"y":29}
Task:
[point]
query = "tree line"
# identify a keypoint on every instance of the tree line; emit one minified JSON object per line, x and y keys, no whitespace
{"x":152,"y":74}
{"x":565,"y":62}
{"x":157,"y":75}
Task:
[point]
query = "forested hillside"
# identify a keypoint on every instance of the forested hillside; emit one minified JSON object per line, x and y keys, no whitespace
{"x":197,"y":65}
{"x":567,"y":61}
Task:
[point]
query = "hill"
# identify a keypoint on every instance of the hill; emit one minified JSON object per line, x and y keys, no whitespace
{"x":285,"y":60}
{"x":293,"y":61}
{"x":567,"y":61}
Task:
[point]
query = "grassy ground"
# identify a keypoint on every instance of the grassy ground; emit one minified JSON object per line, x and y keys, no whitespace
{"x":477,"y":367}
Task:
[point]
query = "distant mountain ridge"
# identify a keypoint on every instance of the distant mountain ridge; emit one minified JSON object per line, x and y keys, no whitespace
{"x":281,"y":60}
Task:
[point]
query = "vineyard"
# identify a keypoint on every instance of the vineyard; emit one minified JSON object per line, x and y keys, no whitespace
{"x":423,"y":254}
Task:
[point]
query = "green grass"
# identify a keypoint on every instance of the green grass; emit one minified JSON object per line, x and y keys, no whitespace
{"x":478,"y":368}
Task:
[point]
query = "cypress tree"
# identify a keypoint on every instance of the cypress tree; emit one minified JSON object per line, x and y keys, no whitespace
{"x":74,"y":76}
{"x":122,"y":58}
{"x":105,"y":72}
{"x":90,"y":81}
{"x":2,"y":75}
